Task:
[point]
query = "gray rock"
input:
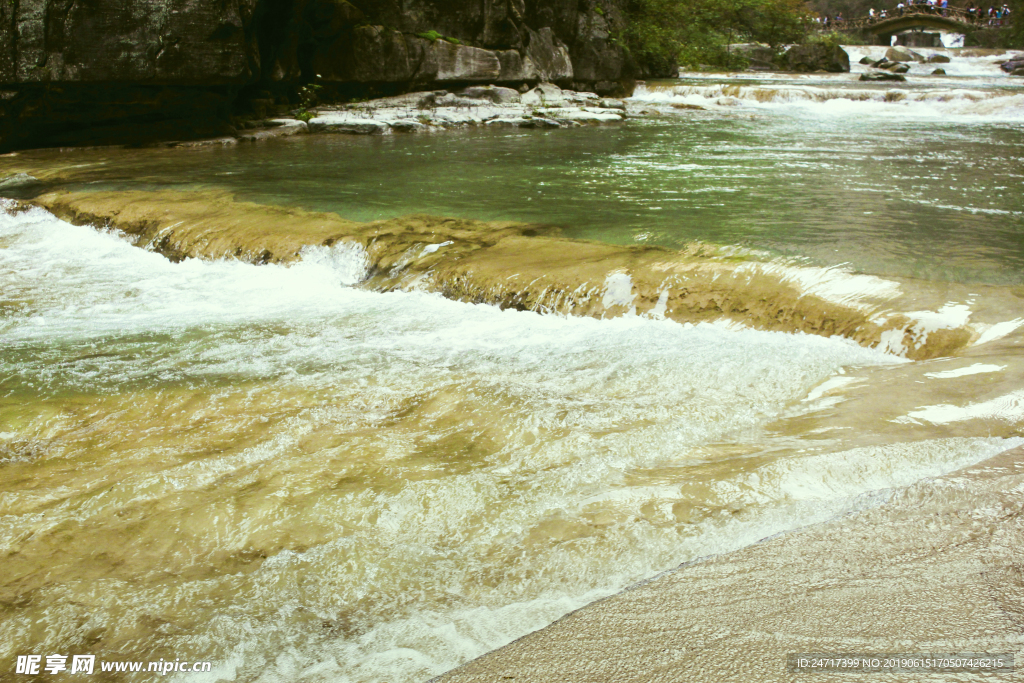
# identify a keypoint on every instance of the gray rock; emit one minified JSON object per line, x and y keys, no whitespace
{"x":612,"y":104}
{"x":539,"y":122}
{"x":899,"y":53}
{"x":504,"y":122}
{"x":142,"y":71}
{"x":491,"y":93}
{"x":866,"y":60}
{"x":1019,"y":71}
{"x":513,"y":69}
{"x":343,"y":124}
{"x":583,"y":116}
{"x":409,"y":127}
{"x":882,"y":76}
{"x":817,"y":56}
{"x":898,"y":68}
{"x":937,"y":59}
{"x":548,"y":56}
{"x":1011,"y":65}
{"x":461,"y":63}
{"x":544,"y":95}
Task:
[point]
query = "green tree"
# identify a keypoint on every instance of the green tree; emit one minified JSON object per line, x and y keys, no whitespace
{"x":665,"y":33}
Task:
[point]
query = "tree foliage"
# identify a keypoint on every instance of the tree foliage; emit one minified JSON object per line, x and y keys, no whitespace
{"x":665,"y":33}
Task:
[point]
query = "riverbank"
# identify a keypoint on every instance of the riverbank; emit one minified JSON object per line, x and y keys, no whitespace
{"x":934,"y":569}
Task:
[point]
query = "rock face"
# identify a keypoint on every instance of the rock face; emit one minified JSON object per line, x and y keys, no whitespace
{"x":129,"y":71}
{"x":817,"y":57}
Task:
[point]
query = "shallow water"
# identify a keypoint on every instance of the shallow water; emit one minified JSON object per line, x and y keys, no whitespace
{"x":271,"y":469}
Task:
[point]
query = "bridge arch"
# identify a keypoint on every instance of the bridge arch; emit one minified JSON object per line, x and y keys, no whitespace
{"x":918,"y":21}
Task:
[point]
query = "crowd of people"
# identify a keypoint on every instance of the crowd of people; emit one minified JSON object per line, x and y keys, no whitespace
{"x":994,"y":16}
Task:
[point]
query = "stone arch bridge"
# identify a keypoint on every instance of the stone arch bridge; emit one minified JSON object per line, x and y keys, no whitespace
{"x":916,"y":17}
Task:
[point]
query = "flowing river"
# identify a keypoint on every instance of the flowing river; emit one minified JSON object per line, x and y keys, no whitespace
{"x":296,"y":478}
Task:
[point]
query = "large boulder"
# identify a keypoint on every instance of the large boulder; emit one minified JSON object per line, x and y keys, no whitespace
{"x":937,"y":59}
{"x":899,"y":53}
{"x":492,"y":94}
{"x":817,"y":57}
{"x":761,"y":57}
{"x":544,"y":95}
{"x":1010,"y":66}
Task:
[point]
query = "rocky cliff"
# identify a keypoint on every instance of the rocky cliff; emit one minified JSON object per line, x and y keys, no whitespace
{"x":129,"y":71}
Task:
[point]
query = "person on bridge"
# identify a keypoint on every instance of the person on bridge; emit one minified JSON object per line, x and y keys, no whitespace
{"x":944,"y":5}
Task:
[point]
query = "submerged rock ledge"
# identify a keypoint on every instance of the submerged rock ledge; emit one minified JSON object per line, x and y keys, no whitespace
{"x":525,"y":267}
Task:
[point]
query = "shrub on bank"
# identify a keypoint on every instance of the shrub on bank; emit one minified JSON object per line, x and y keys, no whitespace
{"x":665,"y":33}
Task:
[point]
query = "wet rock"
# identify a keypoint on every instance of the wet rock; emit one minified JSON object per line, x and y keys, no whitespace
{"x":544,"y":95}
{"x":937,"y":59}
{"x":492,"y":94}
{"x":898,"y":68}
{"x":901,"y":54}
{"x":539,"y":122}
{"x":882,"y":76}
{"x":939,"y":72}
{"x":817,"y":56}
{"x":20,"y":186}
{"x":612,"y":104}
{"x":408,"y":127}
{"x":1011,"y":65}
{"x":278,"y":128}
{"x":343,"y":124}
{"x":504,"y":123}
{"x":1019,"y":71}
{"x":866,"y":60}
{"x":584,"y":116}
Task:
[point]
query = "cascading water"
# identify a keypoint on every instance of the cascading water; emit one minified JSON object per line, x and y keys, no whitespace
{"x":277,"y":470}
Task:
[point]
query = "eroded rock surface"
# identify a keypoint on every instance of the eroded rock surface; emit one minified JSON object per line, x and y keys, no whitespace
{"x":137,"y":71}
{"x":514,"y":265}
